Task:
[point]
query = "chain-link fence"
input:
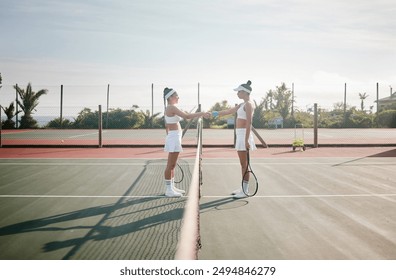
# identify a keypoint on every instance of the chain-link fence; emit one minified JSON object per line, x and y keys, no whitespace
{"x":133,"y":114}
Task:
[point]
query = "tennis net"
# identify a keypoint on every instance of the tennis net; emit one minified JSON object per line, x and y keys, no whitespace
{"x":190,"y":239}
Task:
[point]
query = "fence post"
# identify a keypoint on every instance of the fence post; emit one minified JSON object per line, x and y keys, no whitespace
{"x":345,"y":98}
{"x":376,"y":113}
{"x":107,"y":108}
{"x":100,"y":126}
{"x":199,"y":101}
{"x":61,"y":107}
{"x":315,"y":125}
{"x":1,"y":128}
{"x":152,"y":99}
{"x":292,"y":105}
{"x":152,"y":105}
{"x":16,"y":105}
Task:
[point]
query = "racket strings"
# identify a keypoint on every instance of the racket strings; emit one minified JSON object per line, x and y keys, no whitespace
{"x":248,"y":187}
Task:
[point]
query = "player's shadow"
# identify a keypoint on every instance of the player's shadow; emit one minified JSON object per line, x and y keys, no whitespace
{"x":44,"y":224}
{"x":389,"y":153}
{"x":108,"y":229}
{"x":225,"y":203}
{"x":127,"y":215}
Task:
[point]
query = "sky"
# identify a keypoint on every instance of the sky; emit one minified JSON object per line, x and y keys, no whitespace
{"x":316,"y":45}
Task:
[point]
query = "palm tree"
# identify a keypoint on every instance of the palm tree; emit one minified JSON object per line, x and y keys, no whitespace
{"x":362,"y":98}
{"x":9,"y":111}
{"x":28,"y":104}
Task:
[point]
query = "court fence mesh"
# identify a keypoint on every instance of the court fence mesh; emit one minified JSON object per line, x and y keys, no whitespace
{"x":132,"y":115}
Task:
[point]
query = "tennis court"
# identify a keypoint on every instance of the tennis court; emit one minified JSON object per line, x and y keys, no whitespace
{"x":211,"y":137}
{"x":108,"y":203}
{"x":306,"y":208}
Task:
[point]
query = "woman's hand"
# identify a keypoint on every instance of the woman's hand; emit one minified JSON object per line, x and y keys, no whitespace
{"x":247,"y":145}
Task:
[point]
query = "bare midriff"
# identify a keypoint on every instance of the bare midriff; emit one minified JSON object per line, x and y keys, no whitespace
{"x":241,"y":123}
{"x":173,"y":126}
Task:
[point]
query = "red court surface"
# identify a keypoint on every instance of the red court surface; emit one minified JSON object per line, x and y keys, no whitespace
{"x":64,"y":138}
{"x":191,"y":152}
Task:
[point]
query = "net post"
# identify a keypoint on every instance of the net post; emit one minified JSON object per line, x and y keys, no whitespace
{"x":100,"y":126}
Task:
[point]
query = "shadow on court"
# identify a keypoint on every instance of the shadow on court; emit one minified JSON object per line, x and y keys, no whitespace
{"x":103,"y":229}
{"x":225,"y":203}
{"x":134,"y":226}
{"x":389,"y":153}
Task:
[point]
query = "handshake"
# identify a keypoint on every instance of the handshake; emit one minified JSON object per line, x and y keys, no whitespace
{"x":213,"y":114}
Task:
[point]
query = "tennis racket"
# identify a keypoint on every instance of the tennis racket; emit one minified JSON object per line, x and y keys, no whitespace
{"x":179,"y":174}
{"x":252,"y":187}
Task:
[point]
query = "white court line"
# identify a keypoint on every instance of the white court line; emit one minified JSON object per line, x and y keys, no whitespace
{"x":82,"y":135}
{"x":84,"y":163}
{"x":351,"y":163}
{"x":309,"y":195}
{"x":181,"y":163}
{"x":78,"y":196}
{"x":205,"y":196}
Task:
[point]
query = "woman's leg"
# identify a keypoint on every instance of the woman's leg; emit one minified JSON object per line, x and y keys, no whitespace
{"x":169,"y":173}
{"x":243,"y":161}
{"x":170,"y":166}
{"x":245,"y":179}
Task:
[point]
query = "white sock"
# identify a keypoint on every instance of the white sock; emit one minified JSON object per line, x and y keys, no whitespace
{"x":168,"y":185}
{"x":246,"y":186}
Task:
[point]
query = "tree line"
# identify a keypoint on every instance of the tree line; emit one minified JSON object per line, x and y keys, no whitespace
{"x":278,"y":103}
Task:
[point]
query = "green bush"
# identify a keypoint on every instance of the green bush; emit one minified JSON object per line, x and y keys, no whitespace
{"x":56,"y":123}
{"x":386,"y":119}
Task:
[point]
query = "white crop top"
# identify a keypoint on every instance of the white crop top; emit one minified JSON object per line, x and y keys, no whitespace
{"x":174,"y":119}
{"x":241,"y":113}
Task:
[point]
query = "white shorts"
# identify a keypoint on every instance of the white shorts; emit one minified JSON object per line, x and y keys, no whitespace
{"x":240,"y":140}
{"x":173,"y":141}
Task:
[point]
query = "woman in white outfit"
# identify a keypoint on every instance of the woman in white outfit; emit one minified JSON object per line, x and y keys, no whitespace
{"x":244,"y":136}
{"x":173,"y":146}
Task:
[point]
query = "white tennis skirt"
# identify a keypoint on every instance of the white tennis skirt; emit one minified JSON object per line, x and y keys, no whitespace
{"x":240,"y":140}
{"x":173,"y":141}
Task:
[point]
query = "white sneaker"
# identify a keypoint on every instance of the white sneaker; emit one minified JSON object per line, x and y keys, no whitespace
{"x":240,"y":194}
{"x":179,"y":190}
{"x":172,"y":193}
{"x":236,"y":191}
